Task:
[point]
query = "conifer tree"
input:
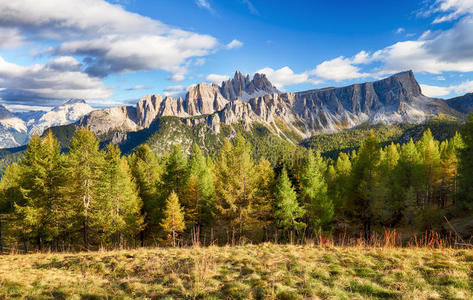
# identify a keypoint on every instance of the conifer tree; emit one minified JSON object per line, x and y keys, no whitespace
{"x":147,"y":173}
{"x":236,"y":187}
{"x":390,"y":192}
{"x":10,"y":194}
{"x":408,"y":175}
{"x":429,"y":152}
{"x":173,"y":221}
{"x":313,"y":192}
{"x":175,"y":174}
{"x":263,"y":205}
{"x":287,"y":211}
{"x":340,"y":181}
{"x":465,"y":168}
{"x":44,"y":213}
{"x":119,"y":205}
{"x":84,"y":173}
{"x":364,"y":184}
{"x":199,"y":192}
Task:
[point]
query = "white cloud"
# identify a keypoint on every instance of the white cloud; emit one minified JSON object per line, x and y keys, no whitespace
{"x":176,"y":90}
{"x":284,"y":76}
{"x":199,"y":62}
{"x":441,"y":78}
{"x":111,"y":39}
{"x":251,"y":7}
{"x":340,"y":68}
{"x":136,"y":88}
{"x":439,"y":91}
{"x":10,"y":38}
{"x":216,"y":78}
{"x":434,"y":91}
{"x":56,"y":79}
{"x":454,"y":9}
{"x":400,"y":30}
{"x":234,"y":44}
{"x":204,"y":4}
{"x":177,"y":77}
{"x":442,"y":51}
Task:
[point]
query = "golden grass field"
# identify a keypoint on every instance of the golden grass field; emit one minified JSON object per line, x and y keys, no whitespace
{"x":264,"y":271}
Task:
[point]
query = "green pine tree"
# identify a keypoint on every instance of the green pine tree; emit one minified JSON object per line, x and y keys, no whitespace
{"x":287,"y":211}
{"x":429,"y":152}
{"x":173,"y":221}
{"x":199,"y":193}
{"x":44,"y":214}
{"x":465,"y":168}
{"x":147,"y":174}
{"x":175,"y":174}
{"x":84,"y":173}
{"x":236,"y":188}
{"x":313,"y":192}
{"x":364,"y":182}
{"x":119,"y":206}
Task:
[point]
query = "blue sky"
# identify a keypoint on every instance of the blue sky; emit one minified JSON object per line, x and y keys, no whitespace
{"x":117,"y":51}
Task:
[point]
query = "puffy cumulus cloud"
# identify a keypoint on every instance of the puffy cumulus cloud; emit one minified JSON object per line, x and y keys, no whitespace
{"x":434,"y":91}
{"x":284,"y":76}
{"x":234,"y":44}
{"x":175,"y":90}
{"x":111,"y":39}
{"x":10,"y":38}
{"x":216,"y":78}
{"x":451,"y":9}
{"x":57,"y":79}
{"x":440,"y":91}
{"x":59,"y":19}
{"x":433,"y":52}
{"x":340,"y":68}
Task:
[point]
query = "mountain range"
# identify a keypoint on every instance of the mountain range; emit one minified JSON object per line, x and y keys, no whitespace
{"x":16,"y":128}
{"x":215,"y":112}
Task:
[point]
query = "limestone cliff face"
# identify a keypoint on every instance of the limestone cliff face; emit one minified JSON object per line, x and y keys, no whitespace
{"x":244,"y":88}
{"x":203,"y":99}
{"x":122,"y":118}
{"x":395,"y":99}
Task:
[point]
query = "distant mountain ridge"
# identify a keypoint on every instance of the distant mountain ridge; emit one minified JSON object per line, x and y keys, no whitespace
{"x":291,"y":116}
{"x":16,"y":128}
{"x":246,"y":102}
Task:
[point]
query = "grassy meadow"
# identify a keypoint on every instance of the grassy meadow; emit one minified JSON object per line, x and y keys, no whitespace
{"x":265,"y":271}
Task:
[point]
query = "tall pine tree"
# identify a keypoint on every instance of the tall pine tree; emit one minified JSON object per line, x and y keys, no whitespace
{"x":84,"y":173}
{"x":147,"y":173}
{"x":173,"y":221}
{"x":287,"y":211}
{"x":313,"y":192}
{"x":119,"y":206}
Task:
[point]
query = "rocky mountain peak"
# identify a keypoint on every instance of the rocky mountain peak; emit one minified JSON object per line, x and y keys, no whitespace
{"x":74,"y":101}
{"x":403,"y":80}
{"x":5,"y":113}
{"x":244,"y":88}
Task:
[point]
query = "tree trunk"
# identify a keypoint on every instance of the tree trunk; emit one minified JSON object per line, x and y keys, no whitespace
{"x":1,"y":237}
{"x":86,"y":237}
{"x":142,"y":238}
{"x":173,"y":238}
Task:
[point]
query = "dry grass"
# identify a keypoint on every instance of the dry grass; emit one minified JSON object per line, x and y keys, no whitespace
{"x":264,"y":271}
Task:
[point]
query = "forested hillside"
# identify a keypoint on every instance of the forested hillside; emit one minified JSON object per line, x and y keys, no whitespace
{"x":91,"y":197}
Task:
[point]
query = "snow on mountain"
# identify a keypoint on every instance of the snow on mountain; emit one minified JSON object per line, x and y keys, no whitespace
{"x":13,"y":131}
{"x":67,"y":113}
{"x":16,"y":128}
